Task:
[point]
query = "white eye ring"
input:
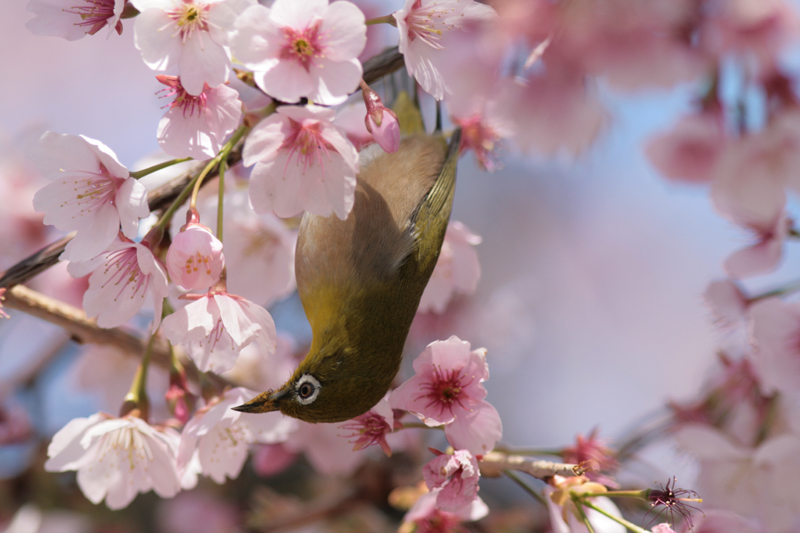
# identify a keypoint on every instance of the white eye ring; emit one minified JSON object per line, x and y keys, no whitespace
{"x":301,"y":388}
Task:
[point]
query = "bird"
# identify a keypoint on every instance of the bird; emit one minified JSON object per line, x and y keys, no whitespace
{"x":360,"y":281}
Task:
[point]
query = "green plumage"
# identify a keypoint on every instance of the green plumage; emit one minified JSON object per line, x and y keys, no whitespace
{"x":361,"y":279}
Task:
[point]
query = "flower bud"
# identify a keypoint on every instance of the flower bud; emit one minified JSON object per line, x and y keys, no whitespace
{"x":195,"y":258}
{"x":381,"y":122}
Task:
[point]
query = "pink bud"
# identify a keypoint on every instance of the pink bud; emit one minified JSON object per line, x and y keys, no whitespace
{"x":381,"y":122}
{"x":385,"y":130}
{"x":195,"y":259}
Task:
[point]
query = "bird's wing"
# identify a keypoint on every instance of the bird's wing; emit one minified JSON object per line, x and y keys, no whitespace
{"x":428,"y":222}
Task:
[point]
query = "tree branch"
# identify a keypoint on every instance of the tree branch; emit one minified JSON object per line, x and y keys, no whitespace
{"x":82,"y":330}
{"x":494,"y":463}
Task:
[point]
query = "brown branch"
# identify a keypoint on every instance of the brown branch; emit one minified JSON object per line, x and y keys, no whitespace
{"x":494,"y":463}
{"x":82,"y":330}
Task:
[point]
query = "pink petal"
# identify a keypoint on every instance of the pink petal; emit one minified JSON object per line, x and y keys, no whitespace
{"x":203,"y":61}
{"x":295,"y":14}
{"x":477,"y":431}
{"x":345,"y":31}
{"x":132,"y":205}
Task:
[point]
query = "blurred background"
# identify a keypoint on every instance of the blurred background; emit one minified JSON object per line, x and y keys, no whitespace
{"x":593,"y":268}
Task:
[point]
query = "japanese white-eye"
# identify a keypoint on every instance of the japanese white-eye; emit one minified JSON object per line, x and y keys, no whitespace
{"x":361,"y":279}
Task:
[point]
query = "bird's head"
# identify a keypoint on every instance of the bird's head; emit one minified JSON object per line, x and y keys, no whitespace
{"x":325,"y":388}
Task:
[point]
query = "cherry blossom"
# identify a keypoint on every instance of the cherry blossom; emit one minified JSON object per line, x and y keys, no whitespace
{"x":259,"y":250}
{"x":690,"y":150}
{"x":91,"y":193}
{"x":303,"y":49}
{"x":371,"y":427}
{"x":600,"y":459}
{"x":195,"y":259}
{"x":457,"y":477}
{"x":191,"y":35}
{"x":424,"y":27}
{"x":550,"y":113}
{"x":727,"y":302}
{"x":74,"y":19}
{"x":196,"y":126}
{"x":272,"y":459}
{"x":754,"y":481}
{"x":116,"y":458}
{"x":325,"y":449}
{"x":457,"y":270}
{"x":775,"y":330}
{"x":123,"y":277}
{"x":447,"y":389}
{"x":563,"y":514}
{"x":302,"y":162}
{"x":429,"y":518}
{"x":350,"y":118}
{"x":216,"y":326}
{"x":220,"y":437}
{"x":751,"y":194}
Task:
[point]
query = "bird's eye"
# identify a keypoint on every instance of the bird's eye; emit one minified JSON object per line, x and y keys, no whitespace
{"x":307,"y":388}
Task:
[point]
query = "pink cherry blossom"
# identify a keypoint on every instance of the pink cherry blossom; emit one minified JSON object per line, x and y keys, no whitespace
{"x":197,"y":512}
{"x":259,"y":251}
{"x":457,"y":477}
{"x":600,"y":458}
{"x":425,"y":27}
{"x":429,"y":518}
{"x":447,"y":389}
{"x":690,"y":150}
{"x":662,"y":528}
{"x":550,"y":112}
{"x":755,"y":482}
{"x":302,"y":162}
{"x":350,"y":119}
{"x":216,"y":326}
{"x":127,"y":274}
{"x":191,"y":35}
{"x":196,"y":126}
{"x":457,"y":270}
{"x":325,"y":449}
{"x":73,"y":19}
{"x":371,"y":427}
{"x":219,"y":437}
{"x":750,"y":193}
{"x":116,"y":458}
{"x":727,"y":302}
{"x":775,"y":331}
{"x":91,"y":193}
{"x":272,"y":459}
{"x":299,"y":49}
{"x":195,"y":259}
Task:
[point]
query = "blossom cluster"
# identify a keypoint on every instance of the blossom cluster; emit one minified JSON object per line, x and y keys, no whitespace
{"x":272,"y":86}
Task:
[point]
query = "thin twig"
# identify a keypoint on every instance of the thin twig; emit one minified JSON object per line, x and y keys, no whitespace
{"x":494,"y":464}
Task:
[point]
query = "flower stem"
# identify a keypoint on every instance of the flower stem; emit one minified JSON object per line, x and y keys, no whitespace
{"x":136,"y":399}
{"x":419,"y":425}
{"x":631,"y":526}
{"x":579,"y":506}
{"x":638,"y":494}
{"x":223,"y":166}
{"x":524,"y":486}
{"x":781,"y":291}
{"x":531,"y":451}
{"x":388,"y":19}
{"x":149,"y":170}
{"x":222,"y":155}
